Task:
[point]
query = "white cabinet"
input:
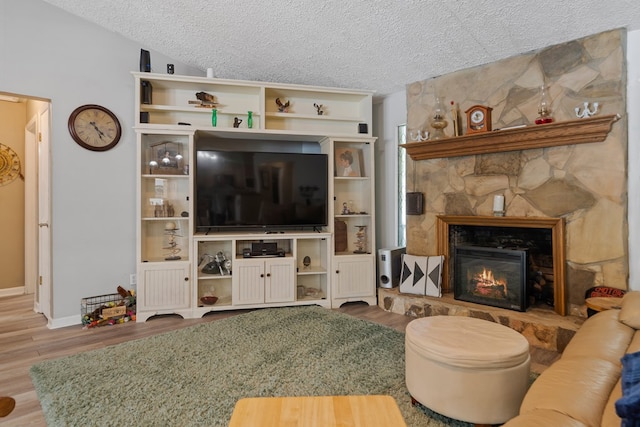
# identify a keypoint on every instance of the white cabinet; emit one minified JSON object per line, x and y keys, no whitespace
{"x":353,"y":279}
{"x":163,"y":288}
{"x":258,"y":281}
{"x":164,"y":223}
{"x":178,"y":269}
{"x":352,"y":203}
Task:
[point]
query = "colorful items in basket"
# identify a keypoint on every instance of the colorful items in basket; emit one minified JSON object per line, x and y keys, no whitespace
{"x":109,"y":309}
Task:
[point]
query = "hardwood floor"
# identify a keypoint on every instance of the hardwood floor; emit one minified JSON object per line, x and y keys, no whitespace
{"x":25,"y":340}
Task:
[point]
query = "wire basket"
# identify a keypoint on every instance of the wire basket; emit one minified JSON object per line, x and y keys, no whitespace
{"x":102,"y":308}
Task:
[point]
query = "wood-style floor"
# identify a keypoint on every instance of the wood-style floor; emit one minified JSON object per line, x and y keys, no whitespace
{"x":26,"y":340}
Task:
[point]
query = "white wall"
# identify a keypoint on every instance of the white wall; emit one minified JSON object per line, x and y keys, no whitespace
{"x":48,"y":53}
{"x":633,"y":111}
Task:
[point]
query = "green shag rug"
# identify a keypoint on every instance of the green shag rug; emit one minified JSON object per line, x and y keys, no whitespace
{"x":194,"y":376}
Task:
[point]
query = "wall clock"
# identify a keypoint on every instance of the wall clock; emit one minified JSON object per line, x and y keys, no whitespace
{"x":94,"y":127}
{"x":478,"y":119}
{"x":10,"y":168}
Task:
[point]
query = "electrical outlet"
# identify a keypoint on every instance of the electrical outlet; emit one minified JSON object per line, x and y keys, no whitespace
{"x":132,"y":279}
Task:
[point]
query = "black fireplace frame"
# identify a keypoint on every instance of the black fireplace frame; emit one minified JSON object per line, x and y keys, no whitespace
{"x":519,"y":255}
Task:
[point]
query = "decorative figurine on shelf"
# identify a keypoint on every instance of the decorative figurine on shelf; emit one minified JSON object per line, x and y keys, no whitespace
{"x":438,"y":121}
{"x":236,"y":122}
{"x":250,"y":119}
{"x":283,"y":108}
{"x":204,"y":100}
{"x":420,"y":136}
{"x":318,"y":109}
{"x":345,"y":209}
{"x":361,"y":240}
{"x":586,"y":111}
{"x":544,"y":108}
{"x":170,"y":229}
{"x":306,"y":261}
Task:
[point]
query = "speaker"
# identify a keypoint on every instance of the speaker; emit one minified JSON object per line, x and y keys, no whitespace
{"x":390,"y":266}
{"x":415,"y":203}
{"x":145,"y":61}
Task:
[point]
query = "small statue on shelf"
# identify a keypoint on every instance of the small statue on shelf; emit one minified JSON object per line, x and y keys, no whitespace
{"x":205,"y":100}
{"x":171,"y":229}
{"x":318,"y":108}
{"x":283,"y":107}
{"x":236,"y":122}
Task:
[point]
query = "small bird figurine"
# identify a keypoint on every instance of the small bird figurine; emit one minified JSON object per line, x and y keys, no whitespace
{"x":283,"y":108}
{"x":236,"y":122}
{"x":206,"y":99}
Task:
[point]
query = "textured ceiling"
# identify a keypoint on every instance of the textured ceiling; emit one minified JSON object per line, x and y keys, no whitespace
{"x":364,"y":44}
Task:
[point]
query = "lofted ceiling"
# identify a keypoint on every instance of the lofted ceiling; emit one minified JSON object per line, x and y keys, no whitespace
{"x":363,"y":44}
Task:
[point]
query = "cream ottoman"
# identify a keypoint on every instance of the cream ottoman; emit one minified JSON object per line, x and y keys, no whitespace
{"x":467,"y":369}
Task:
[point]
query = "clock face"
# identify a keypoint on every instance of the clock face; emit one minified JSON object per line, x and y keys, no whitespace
{"x":94,"y":127}
{"x":477,"y":116}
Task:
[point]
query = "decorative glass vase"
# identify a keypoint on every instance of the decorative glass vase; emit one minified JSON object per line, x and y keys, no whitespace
{"x":250,"y":119}
{"x":438,"y":121}
{"x":544,"y":107}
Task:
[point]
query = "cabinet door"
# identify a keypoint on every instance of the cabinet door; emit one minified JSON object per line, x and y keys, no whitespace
{"x":354,"y":277}
{"x":164,"y":286}
{"x":279,"y":283}
{"x":248,"y":277}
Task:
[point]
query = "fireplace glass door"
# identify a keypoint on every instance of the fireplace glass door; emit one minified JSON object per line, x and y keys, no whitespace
{"x":491,"y":276}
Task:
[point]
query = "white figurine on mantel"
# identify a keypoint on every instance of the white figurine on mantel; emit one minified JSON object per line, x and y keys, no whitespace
{"x":586,"y":112}
{"x":420,"y":137}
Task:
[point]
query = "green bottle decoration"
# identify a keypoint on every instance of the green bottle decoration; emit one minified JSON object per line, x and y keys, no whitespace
{"x":250,"y":119}
{"x":214,"y":117}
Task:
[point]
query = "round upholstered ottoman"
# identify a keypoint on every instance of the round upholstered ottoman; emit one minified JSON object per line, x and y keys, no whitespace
{"x":468,"y":369}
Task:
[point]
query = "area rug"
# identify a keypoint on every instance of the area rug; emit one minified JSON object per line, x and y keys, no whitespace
{"x":194,"y":376}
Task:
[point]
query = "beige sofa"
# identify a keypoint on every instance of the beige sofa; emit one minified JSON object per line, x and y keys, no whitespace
{"x":581,"y":388}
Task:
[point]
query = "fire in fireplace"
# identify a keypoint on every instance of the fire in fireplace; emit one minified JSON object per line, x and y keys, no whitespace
{"x":491,"y":276}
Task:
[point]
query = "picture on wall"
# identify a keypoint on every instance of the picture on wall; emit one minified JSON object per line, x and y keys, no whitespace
{"x":348,"y":162}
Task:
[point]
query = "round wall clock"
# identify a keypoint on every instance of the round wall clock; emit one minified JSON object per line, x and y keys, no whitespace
{"x":10,"y":168}
{"x":478,"y":119}
{"x":94,"y":127}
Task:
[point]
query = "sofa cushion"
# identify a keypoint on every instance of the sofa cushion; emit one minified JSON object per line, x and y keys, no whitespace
{"x":630,"y":312}
{"x":544,"y":417}
{"x":578,"y":387}
{"x":602,"y":327}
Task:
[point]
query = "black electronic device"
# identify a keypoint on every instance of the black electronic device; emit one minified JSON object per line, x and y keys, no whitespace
{"x":145,"y":61}
{"x":260,"y":190}
{"x":263,"y":249}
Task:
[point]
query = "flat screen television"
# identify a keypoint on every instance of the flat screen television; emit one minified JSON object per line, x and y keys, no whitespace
{"x":260,"y":190}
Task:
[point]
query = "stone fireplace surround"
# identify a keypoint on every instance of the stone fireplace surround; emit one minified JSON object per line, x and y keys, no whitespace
{"x":584,"y":185}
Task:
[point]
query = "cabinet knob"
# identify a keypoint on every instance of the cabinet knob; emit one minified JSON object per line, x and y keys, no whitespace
{"x":261,"y":275}
{"x":268,"y":274}
{"x":186,"y":279}
{"x":337,"y":271}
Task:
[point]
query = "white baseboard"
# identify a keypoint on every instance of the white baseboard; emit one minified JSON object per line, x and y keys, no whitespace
{"x":10,"y":292}
{"x":63,"y":322}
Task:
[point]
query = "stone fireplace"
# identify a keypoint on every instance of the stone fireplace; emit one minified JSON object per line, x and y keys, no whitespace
{"x":582,"y":186}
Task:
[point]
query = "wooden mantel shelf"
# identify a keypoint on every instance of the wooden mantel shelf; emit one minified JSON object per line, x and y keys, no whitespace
{"x":593,"y":129}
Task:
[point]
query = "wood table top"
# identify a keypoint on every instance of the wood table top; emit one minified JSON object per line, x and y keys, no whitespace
{"x":603,"y":303}
{"x":317,"y":411}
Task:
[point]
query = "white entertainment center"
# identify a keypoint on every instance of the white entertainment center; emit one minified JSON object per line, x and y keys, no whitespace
{"x":190,"y":270}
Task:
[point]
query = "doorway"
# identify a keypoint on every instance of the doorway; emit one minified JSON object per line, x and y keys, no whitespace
{"x":35,"y":171}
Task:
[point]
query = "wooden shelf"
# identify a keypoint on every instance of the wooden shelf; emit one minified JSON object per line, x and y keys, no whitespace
{"x":594,"y":129}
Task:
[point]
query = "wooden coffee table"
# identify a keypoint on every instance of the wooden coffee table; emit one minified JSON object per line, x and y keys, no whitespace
{"x":603,"y":303}
{"x":317,"y":411}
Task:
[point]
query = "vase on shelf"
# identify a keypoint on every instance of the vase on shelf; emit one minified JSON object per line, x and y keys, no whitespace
{"x":438,"y":120}
{"x":544,"y":107}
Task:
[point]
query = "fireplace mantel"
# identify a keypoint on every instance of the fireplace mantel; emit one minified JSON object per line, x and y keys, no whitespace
{"x":593,"y":129}
{"x":556,"y":225}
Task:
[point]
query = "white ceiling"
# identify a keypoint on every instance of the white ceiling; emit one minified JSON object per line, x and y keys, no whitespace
{"x":364,"y":44}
